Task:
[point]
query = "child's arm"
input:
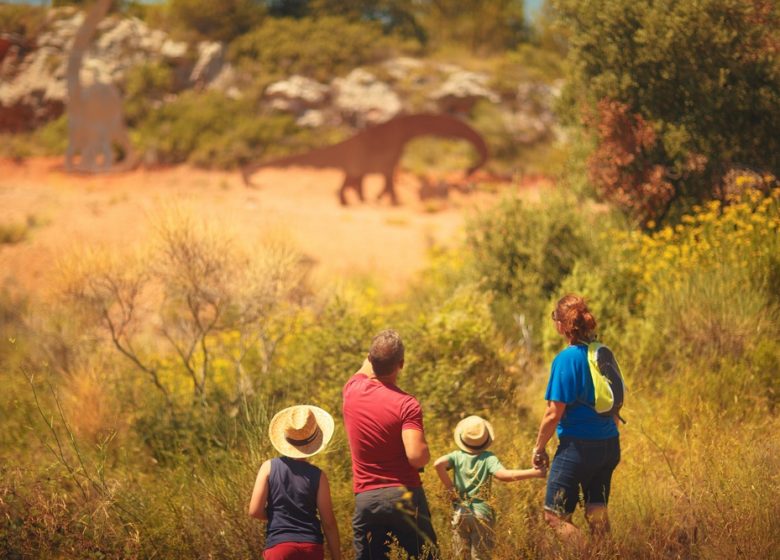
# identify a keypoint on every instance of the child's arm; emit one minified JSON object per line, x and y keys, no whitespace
{"x":512,"y":475}
{"x":329,"y":525}
{"x":442,"y":465}
{"x":260,"y":493}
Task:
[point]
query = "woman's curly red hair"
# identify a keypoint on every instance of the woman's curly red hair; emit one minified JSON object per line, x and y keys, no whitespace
{"x":577,"y":322}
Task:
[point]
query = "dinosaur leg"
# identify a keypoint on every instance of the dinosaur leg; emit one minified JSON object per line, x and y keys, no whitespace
{"x":246,"y":174}
{"x":108,"y":155}
{"x":69,"y":153}
{"x":389,"y":189}
{"x":353,"y":182}
{"x":359,"y":188}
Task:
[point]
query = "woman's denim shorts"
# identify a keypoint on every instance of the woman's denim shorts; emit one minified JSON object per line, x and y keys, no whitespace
{"x":585,"y":464}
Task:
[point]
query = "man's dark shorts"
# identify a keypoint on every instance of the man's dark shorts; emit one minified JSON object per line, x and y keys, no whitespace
{"x":585,"y":464}
{"x":387,"y":513}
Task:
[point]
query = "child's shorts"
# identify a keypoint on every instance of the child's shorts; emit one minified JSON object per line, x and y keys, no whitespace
{"x":585,"y":464}
{"x":294,"y":551}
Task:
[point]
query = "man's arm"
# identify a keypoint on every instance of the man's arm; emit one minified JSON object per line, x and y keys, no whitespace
{"x":416,"y":447}
{"x":552,"y":416}
{"x":260,"y":493}
{"x":329,"y":525}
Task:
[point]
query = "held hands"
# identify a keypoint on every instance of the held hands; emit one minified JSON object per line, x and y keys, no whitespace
{"x":540,"y":460}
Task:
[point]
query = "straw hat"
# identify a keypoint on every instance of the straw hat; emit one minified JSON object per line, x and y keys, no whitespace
{"x":300,"y":431}
{"x":473,"y":434}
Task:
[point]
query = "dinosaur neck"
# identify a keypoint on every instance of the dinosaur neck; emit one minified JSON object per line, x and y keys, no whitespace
{"x":443,"y":126}
{"x":81,"y":42}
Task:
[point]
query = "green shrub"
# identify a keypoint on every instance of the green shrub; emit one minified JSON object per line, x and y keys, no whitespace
{"x":212,"y":130}
{"x":26,"y":21}
{"x":145,"y":88}
{"x":219,"y":21}
{"x":319,"y":48}
{"x":705,"y":100}
{"x":527,"y":63}
{"x":522,"y":252}
{"x":453,"y":365}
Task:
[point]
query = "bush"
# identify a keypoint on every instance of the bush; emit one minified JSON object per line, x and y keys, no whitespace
{"x":690,"y":301}
{"x":146,"y":86}
{"x":318,"y":48}
{"x":26,"y":21}
{"x":707,"y":98}
{"x":522,"y":252}
{"x":212,"y":130}
{"x":219,"y":21}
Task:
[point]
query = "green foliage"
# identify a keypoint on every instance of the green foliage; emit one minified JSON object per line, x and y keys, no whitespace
{"x":526,"y":63}
{"x":319,"y":48}
{"x":704,"y":75}
{"x":146,"y":86}
{"x":219,"y":21}
{"x":23,"y":20}
{"x":481,"y":26}
{"x":453,"y":366}
{"x":213,"y":130}
{"x":52,"y":138}
{"x":522,"y":253}
{"x":488,"y":120}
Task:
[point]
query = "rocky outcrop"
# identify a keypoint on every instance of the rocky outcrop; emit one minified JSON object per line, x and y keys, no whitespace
{"x":211,"y":59}
{"x":32,"y":81}
{"x":297,"y":94}
{"x":532,"y":118}
{"x":461,"y":91}
{"x":32,"y":89}
{"x":361,"y":99}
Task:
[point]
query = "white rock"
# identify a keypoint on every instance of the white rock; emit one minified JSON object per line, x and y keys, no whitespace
{"x":211,"y":58}
{"x":362,"y":99}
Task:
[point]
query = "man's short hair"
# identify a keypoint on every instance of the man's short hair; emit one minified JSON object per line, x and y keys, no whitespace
{"x":386,"y":353}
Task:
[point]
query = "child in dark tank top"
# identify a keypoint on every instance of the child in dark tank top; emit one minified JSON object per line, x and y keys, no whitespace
{"x":292,"y":495}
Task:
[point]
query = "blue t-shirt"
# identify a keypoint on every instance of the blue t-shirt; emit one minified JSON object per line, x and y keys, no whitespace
{"x":570,"y":383}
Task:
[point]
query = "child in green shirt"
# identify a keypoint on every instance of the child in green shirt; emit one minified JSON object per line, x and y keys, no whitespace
{"x":474,"y":468}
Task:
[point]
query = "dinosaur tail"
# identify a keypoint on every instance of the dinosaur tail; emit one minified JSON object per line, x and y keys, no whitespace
{"x":318,"y":158}
{"x":449,"y":127}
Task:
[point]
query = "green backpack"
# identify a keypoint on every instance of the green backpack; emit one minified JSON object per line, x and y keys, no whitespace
{"x":608,"y":385}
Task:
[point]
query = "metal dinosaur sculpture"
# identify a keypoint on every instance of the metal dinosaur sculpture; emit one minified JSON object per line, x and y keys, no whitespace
{"x":378,"y":150}
{"x":95,"y":120}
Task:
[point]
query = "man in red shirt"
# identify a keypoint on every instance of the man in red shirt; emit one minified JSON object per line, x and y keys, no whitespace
{"x":386,"y":436}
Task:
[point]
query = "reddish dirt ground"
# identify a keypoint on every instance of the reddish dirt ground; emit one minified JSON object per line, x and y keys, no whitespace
{"x":118,"y":211}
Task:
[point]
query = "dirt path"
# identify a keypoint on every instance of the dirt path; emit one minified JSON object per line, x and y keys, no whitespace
{"x":118,"y":210}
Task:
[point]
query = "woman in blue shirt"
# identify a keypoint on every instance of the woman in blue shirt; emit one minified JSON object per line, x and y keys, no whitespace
{"x":589,"y":448}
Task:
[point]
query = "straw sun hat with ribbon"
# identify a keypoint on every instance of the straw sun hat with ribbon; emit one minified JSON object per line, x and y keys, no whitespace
{"x":473,"y":434}
{"x":300,"y":431}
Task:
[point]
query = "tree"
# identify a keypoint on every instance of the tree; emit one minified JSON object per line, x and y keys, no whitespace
{"x":205,"y":299}
{"x":482,"y":26}
{"x":703,"y":76}
{"x":219,"y":21}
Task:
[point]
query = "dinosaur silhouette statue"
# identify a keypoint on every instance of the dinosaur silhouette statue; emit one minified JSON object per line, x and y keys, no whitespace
{"x":378,"y":150}
{"x":95,"y":119}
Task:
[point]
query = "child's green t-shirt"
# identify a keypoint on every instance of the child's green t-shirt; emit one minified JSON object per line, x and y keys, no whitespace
{"x":473,"y":475}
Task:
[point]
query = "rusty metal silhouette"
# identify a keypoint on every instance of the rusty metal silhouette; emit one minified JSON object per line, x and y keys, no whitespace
{"x":95,"y":120}
{"x":377,"y":150}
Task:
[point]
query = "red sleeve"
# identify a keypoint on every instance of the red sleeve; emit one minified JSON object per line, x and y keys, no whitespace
{"x":411,"y":415}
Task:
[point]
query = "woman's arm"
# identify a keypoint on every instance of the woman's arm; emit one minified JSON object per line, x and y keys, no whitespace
{"x":552,"y":416}
{"x":259,"y":499}
{"x":442,"y":465}
{"x":329,"y":525}
{"x":511,"y":475}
